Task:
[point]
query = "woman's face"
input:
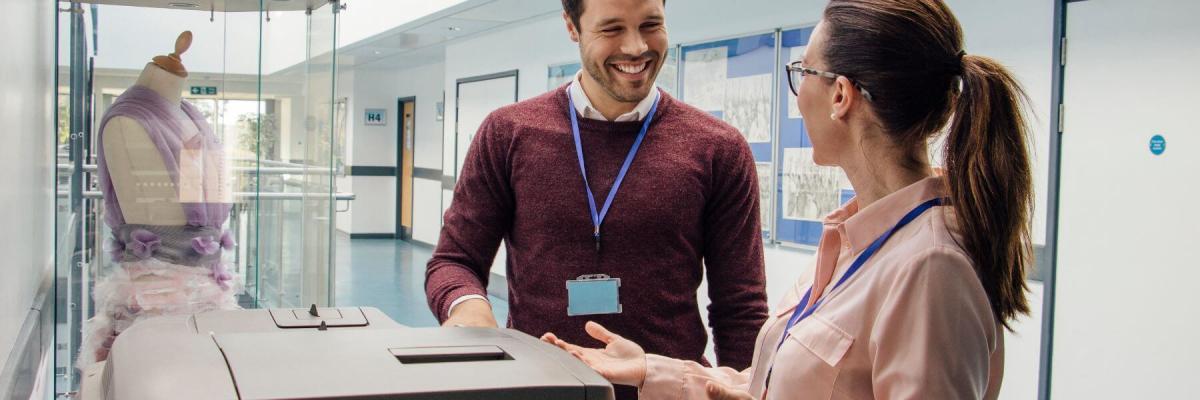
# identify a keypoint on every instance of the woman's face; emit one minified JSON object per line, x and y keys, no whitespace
{"x":815,"y":99}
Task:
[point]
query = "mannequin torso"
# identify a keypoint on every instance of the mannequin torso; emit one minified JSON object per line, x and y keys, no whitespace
{"x":139,"y":176}
{"x":167,"y":199}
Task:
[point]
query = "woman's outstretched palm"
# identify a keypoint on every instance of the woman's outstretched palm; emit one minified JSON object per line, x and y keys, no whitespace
{"x":621,"y":361}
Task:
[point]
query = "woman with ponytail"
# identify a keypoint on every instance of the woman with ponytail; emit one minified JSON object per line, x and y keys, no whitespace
{"x":918,"y":276}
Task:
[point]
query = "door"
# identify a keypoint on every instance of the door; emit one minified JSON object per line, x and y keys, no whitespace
{"x":1125,"y":317}
{"x":407,"y":136}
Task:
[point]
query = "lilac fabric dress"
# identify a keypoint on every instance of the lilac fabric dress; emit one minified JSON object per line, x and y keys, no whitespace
{"x":164,"y":269}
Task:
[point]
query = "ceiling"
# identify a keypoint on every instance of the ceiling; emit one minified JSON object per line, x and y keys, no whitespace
{"x":419,"y":42}
{"x":215,"y":5}
{"x":423,"y":41}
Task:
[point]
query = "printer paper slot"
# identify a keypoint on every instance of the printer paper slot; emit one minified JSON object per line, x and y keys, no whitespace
{"x":454,"y":354}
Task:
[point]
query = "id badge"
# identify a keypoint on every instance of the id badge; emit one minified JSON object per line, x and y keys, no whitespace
{"x":593,"y":294}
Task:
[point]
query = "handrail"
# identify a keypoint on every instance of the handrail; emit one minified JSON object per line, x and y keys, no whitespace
{"x":94,"y":194}
{"x":92,"y":168}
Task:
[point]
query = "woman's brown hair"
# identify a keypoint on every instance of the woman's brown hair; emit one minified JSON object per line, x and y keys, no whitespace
{"x":909,"y":55}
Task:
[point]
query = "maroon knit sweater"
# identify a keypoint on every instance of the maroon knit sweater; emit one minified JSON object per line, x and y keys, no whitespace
{"x":690,"y":200}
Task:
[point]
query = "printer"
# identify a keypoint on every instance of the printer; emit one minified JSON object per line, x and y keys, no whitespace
{"x":333,"y":353}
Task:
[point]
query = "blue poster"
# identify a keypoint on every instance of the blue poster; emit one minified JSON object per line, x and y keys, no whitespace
{"x":805,"y":192}
{"x":732,"y":80}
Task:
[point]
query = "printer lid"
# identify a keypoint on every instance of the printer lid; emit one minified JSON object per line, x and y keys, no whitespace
{"x":425,"y":363}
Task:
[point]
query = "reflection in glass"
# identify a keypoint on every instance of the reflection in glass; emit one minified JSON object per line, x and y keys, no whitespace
{"x":178,"y":190}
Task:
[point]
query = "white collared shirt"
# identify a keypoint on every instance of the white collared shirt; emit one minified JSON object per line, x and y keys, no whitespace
{"x":583,"y":105}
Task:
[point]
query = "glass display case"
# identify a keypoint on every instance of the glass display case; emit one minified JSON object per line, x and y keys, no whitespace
{"x":196,"y":163}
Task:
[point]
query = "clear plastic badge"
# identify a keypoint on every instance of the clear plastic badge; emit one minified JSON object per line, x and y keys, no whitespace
{"x":593,"y":295}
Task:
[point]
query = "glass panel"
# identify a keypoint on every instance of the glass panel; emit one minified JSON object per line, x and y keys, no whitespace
{"x":176,"y":171}
{"x":294,"y":213}
{"x":145,"y":188}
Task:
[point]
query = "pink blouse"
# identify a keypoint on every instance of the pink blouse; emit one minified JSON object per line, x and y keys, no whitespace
{"x":913,"y":323}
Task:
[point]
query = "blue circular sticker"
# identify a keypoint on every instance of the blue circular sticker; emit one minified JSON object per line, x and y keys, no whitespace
{"x":1158,"y":145}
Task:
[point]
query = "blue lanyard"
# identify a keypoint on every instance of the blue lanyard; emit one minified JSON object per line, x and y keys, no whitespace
{"x":598,"y":217}
{"x":803,"y":312}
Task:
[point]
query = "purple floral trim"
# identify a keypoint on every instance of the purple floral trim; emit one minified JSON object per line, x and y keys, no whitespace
{"x":227,"y":242}
{"x":221,"y":275}
{"x":142,"y":244}
{"x":205,"y":245}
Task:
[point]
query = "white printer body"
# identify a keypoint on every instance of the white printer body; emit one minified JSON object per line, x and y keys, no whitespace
{"x":342,"y":353}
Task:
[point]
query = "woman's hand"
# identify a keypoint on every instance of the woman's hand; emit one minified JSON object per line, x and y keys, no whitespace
{"x":621,"y":361}
{"x":717,"y":391}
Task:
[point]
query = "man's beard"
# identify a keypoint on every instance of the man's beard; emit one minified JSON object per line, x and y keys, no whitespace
{"x":608,"y":82}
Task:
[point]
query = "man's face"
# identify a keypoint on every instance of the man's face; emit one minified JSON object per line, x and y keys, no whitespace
{"x":621,"y":45}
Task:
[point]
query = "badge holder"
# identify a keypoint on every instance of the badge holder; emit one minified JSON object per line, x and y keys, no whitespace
{"x":593,"y":295}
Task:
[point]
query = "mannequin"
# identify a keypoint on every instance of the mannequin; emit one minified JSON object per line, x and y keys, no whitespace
{"x":163,"y":175}
{"x":146,"y":192}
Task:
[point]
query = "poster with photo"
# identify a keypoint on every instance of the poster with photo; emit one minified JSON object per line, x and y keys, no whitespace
{"x":560,"y":74}
{"x":704,"y":77}
{"x":810,"y":191}
{"x":668,"y":76}
{"x":796,"y":54}
{"x":764,"y":192}
{"x":748,"y":107}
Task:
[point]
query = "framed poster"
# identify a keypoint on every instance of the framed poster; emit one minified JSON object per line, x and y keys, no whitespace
{"x":732,"y":79}
{"x":807,"y":192}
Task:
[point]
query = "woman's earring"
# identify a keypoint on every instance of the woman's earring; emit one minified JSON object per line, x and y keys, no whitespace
{"x":833,"y":116}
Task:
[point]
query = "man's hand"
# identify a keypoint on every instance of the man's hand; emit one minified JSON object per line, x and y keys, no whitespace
{"x":473,"y":313}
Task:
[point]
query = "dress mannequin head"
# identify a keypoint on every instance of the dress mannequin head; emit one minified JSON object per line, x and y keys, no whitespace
{"x":173,"y":62}
{"x":165,"y":74}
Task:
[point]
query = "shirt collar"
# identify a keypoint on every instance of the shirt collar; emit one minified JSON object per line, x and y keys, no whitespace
{"x":583,"y":105}
{"x":860,"y":228}
{"x":857,"y":229}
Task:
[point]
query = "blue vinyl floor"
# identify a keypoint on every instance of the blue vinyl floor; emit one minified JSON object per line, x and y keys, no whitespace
{"x":389,"y":274}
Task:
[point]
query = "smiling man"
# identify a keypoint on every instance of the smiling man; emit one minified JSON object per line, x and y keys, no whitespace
{"x":613,"y":200}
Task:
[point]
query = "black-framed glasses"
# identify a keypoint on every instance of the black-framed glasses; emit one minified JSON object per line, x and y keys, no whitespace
{"x":796,"y":71}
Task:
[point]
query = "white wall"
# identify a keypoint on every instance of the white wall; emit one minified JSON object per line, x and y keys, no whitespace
{"x":374,"y":210}
{"x":1126,"y":320}
{"x":426,"y":84}
{"x":26,"y":159}
{"x":374,"y":146}
{"x":1018,"y":33}
{"x":528,"y":47}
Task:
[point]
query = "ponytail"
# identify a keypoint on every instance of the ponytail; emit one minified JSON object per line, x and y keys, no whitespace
{"x":989,"y":178}
{"x":908,"y":54}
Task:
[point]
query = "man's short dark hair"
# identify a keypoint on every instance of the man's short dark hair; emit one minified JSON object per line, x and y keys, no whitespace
{"x":574,"y":9}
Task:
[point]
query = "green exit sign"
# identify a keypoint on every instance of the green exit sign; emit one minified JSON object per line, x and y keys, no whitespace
{"x":204,"y":90}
